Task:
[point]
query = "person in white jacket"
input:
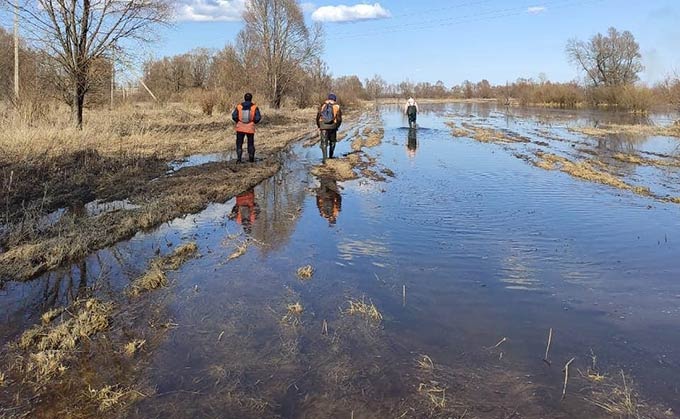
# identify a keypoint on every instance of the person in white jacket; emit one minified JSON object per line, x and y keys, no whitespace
{"x":411,"y":110}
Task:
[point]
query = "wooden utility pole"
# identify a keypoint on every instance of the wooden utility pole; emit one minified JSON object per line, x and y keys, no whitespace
{"x":16,"y":49}
{"x":113,"y":74}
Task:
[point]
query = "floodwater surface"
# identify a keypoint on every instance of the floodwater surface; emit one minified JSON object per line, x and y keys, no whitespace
{"x":470,"y":255}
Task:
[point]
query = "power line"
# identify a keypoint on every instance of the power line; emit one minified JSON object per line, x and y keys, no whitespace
{"x":477,"y":17}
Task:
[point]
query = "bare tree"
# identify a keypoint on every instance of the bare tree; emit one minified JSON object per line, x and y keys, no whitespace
{"x":375,"y":87}
{"x":608,"y":60}
{"x":78,"y":33}
{"x":276,"y":38}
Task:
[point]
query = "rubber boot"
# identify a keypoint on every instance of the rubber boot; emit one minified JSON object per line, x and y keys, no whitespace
{"x":331,"y":149}
{"x":251,"y":158}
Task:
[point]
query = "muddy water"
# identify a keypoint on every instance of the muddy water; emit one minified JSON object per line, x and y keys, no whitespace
{"x":465,"y":246}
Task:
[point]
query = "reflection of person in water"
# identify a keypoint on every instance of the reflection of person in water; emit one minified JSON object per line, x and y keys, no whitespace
{"x":245,"y":211}
{"x":328,"y":200}
{"x":412,"y":144}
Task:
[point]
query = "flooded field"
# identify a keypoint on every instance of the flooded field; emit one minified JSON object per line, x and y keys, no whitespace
{"x":470,"y":261}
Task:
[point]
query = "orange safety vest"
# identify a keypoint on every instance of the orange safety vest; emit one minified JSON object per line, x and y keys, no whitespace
{"x":246,"y":199}
{"x":248,"y":128}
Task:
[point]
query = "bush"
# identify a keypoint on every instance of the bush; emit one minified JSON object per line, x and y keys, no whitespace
{"x":629,"y":97}
{"x":208,"y":100}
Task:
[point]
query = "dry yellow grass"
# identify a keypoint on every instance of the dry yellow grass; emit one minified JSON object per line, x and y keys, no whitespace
{"x":364,"y":309}
{"x":155,"y":277}
{"x":131,"y":348}
{"x":434,"y":393}
{"x":107,"y":397}
{"x":169,"y":132}
{"x":239,"y":251}
{"x":295,"y":308}
{"x":305,"y":272}
{"x":339,"y":169}
{"x":639,"y":160}
{"x":634,"y":130}
{"x":585,"y":170}
{"x":88,"y":317}
{"x":51,"y":343}
{"x":457,"y":131}
{"x":617,"y":397}
{"x":424,"y":362}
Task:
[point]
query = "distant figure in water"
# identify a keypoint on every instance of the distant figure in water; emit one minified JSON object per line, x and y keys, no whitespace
{"x":329,"y":200}
{"x":245,"y":211}
{"x":411,"y":110}
{"x":412,"y":144}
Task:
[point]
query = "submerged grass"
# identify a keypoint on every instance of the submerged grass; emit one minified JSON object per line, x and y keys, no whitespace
{"x":364,"y":309}
{"x":131,"y":348}
{"x":305,"y":272}
{"x":239,"y":251}
{"x":617,"y":397}
{"x":51,"y":343}
{"x":636,"y":130}
{"x":586,"y":170}
{"x":155,"y":277}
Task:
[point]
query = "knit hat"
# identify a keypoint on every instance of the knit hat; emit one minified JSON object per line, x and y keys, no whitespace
{"x":332,"y":97}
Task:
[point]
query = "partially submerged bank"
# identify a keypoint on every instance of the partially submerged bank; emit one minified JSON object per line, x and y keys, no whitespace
{"x":189,"y":191}
{"x":582,"y":156}
{"x":34,"y":244}
{"x":83,"y":359}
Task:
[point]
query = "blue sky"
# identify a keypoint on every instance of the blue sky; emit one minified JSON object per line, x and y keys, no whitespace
{"x":451,"y":40}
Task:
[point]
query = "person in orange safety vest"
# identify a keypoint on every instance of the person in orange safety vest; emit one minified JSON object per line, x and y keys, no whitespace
{"x":245,"y":211}
{"x":328,"y":200}
{"x":246,"y":115}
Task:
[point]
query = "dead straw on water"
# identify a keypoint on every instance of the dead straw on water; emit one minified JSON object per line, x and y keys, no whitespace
{"x":364,"y":309}
{"x":305,"y":272}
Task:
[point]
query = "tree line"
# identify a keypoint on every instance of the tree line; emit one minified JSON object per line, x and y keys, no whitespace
{"x":70,"y":49}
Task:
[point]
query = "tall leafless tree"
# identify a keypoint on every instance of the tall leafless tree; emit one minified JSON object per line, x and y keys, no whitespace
{"x":613,"y":59}
{"x":276,"y":39}
{"x":78,"y":33}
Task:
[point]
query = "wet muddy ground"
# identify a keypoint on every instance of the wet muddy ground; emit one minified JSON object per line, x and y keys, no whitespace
{"x":437,"y":275}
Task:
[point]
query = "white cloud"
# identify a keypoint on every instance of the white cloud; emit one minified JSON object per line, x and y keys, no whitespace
{"x":342,"y":13}
{"x":210,"y":10}
{"x":535,"y":10}
{"x":308,"y":7}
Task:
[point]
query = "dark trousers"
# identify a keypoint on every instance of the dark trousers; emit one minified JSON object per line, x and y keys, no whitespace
{"x":328,"y":139}
{"x":240,"y":136}
{"x":412,"y":121}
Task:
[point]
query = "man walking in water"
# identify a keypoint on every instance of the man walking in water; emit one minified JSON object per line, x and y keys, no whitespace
{"x":329,"y":119}
{"x":246,"y":115}
{"x":411,"y":110}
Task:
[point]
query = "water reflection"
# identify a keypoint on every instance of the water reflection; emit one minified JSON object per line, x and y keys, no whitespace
{"x":328,"y":200}
{"x":245,"y":210}
{"x":412,"y":143}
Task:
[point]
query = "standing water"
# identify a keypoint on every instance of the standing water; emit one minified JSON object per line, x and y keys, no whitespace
{"x":433,"y":293}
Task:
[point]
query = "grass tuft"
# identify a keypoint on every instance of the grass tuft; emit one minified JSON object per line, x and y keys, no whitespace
{"x":364,"y":309}
{"x":155,"y":277}
{"x":305,"y":272}
{"x":131,"y":348}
